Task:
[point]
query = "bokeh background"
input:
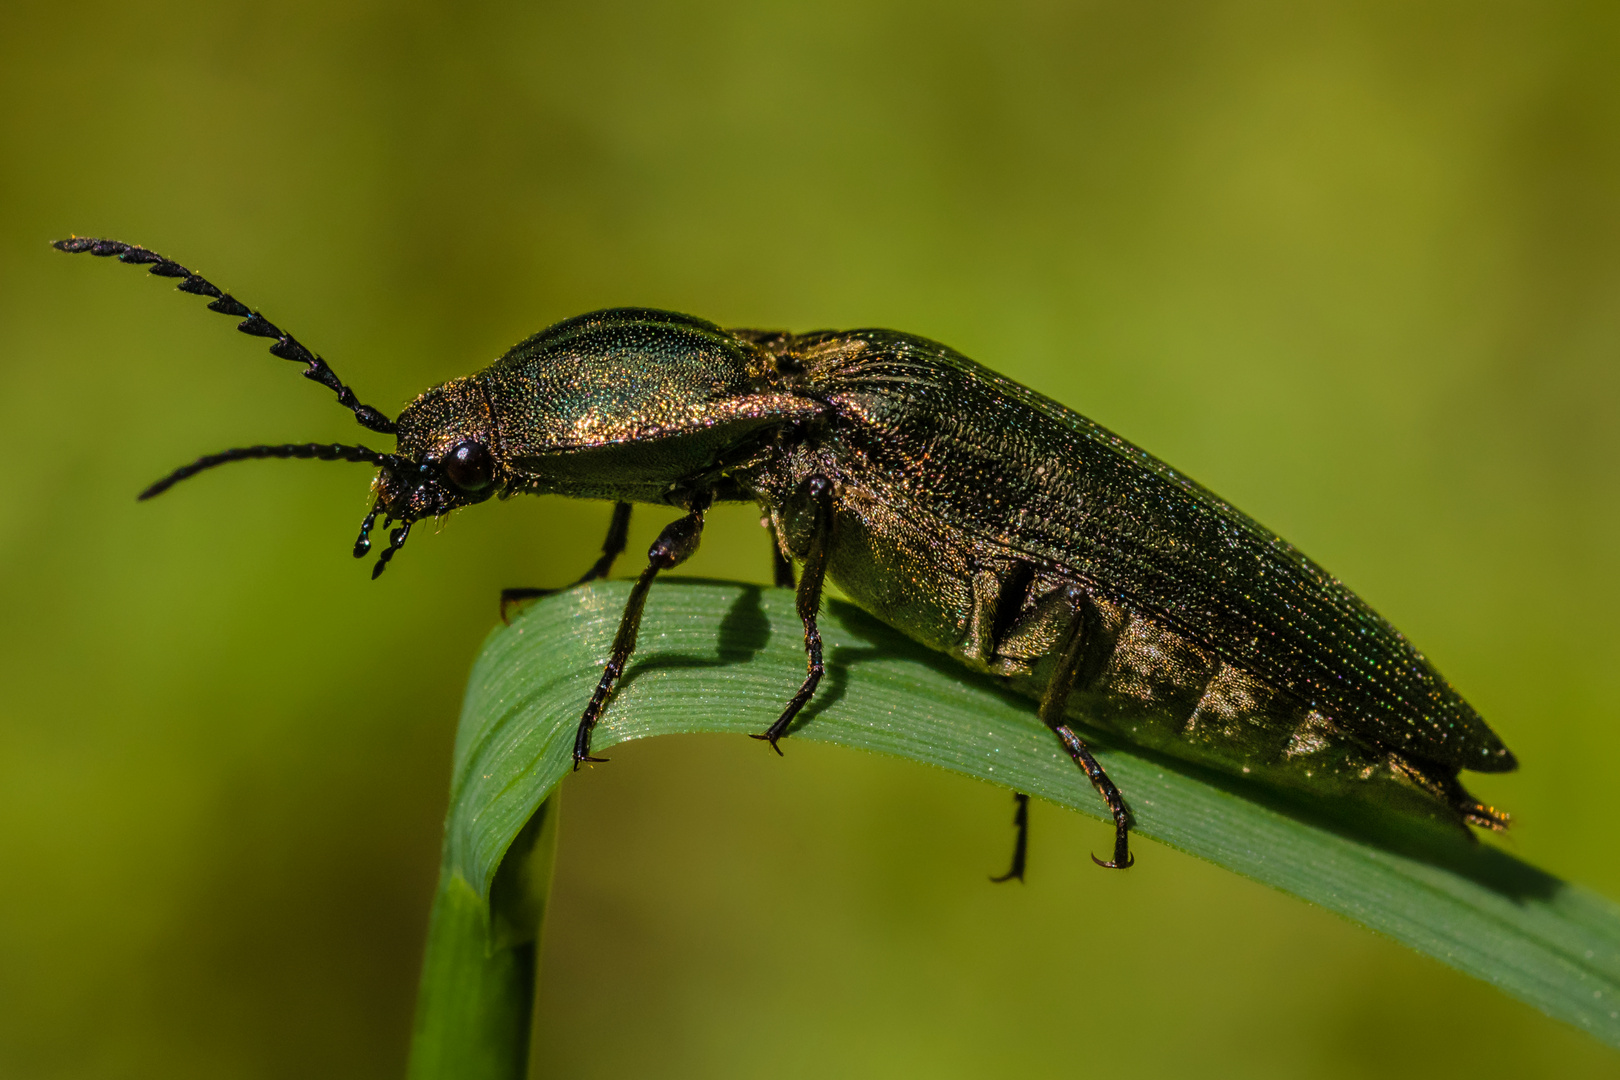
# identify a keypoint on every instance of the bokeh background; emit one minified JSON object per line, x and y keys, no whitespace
{"x":1356,"y":266}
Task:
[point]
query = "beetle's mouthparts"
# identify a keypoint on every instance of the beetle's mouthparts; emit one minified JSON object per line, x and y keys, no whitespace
{"x":396,"y":538}
{"x":362,"y":543}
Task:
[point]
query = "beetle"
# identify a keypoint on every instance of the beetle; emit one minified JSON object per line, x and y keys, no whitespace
{"x":976,"y":516}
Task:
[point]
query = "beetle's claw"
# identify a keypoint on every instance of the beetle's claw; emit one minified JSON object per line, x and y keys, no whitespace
{"x":768,"y":737}
{"x":1130,"y":861}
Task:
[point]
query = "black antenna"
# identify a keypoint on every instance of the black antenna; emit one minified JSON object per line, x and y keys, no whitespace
{"x":286,"y":346}
{"x":319,"y":451}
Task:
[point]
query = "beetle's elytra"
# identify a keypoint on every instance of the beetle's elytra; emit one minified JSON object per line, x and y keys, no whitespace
{"x":969,"y":512}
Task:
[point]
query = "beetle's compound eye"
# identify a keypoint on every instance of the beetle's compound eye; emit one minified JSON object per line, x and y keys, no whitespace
{"x":470,"y":466}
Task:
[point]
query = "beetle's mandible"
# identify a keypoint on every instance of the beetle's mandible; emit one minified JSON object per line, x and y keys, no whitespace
{"x":961,"y":508}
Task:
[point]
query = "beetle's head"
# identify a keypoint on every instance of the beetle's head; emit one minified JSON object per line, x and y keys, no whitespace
{"x":445,"y":457}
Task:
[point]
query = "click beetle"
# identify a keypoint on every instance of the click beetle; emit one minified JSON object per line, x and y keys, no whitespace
{"x":969,"y":512}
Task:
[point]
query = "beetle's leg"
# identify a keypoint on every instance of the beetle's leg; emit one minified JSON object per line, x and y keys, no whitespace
{"x":1021,"y":845}
{"x":781,"y":568}
{"x":612,"y":547}
{"x":818,"y":490}
{"x":1052,"y":712}
{"x":617,"y":535}
{"x":674,"y":546}
{"x":1468,"y":808}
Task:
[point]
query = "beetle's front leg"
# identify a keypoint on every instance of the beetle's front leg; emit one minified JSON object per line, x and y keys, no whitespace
{"x":617,"y":535}
{"x":818,"y":492}
{"x":674,"y":546}
{"x":1053,"y":713}
{"x":781,"y":568}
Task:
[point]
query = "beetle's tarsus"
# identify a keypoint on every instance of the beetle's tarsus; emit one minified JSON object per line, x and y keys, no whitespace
{"x":768,"y":737}
{"x":1486,"y":817}
{"x":1471,"y":810}
{"x":1110,"y":795}
{"x":806,"y":691}
{"x":1020,"y":845}
{"x":1123,"y":859}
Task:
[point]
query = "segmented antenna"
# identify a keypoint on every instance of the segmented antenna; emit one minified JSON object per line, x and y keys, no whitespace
{"x":286,"y":346}
{"x":319,"y":451}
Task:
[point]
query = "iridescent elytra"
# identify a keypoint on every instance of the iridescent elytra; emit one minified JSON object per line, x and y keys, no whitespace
{"x":969,"y":512}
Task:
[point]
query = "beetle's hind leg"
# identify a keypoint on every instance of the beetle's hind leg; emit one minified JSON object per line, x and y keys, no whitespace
{"x":1053,"y":712}
{"x":1021,"y":844}
{"x":674,"y":546}
{"x":1477,"y":813}
{"x":1469,"y":810}
{"x":818,"y":491}
{"x":617,"y":536}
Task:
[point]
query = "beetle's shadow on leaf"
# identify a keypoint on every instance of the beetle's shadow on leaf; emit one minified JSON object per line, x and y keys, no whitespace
{"x":745,"y":631}
{"x":1437,"y":843}
{"x":743,"y":634}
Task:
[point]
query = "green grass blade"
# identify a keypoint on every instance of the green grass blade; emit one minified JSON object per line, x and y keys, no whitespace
{"x":474,"y":1010}
{"x":720,"y":657}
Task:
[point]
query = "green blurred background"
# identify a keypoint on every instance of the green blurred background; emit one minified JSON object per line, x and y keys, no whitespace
{"x":1355,"y":266}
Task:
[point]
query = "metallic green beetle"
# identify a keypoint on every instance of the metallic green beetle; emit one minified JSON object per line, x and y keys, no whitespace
{"x":969,"y":512}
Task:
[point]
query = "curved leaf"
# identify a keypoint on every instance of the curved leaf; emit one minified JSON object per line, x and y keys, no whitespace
{"x":721,"y":657}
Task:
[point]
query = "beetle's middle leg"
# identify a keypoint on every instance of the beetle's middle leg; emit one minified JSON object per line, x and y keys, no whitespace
{"x":617,"y":536}
{"x":818,"y":491}
{"x":1053,"y":712}
{"x":674,"y":546}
